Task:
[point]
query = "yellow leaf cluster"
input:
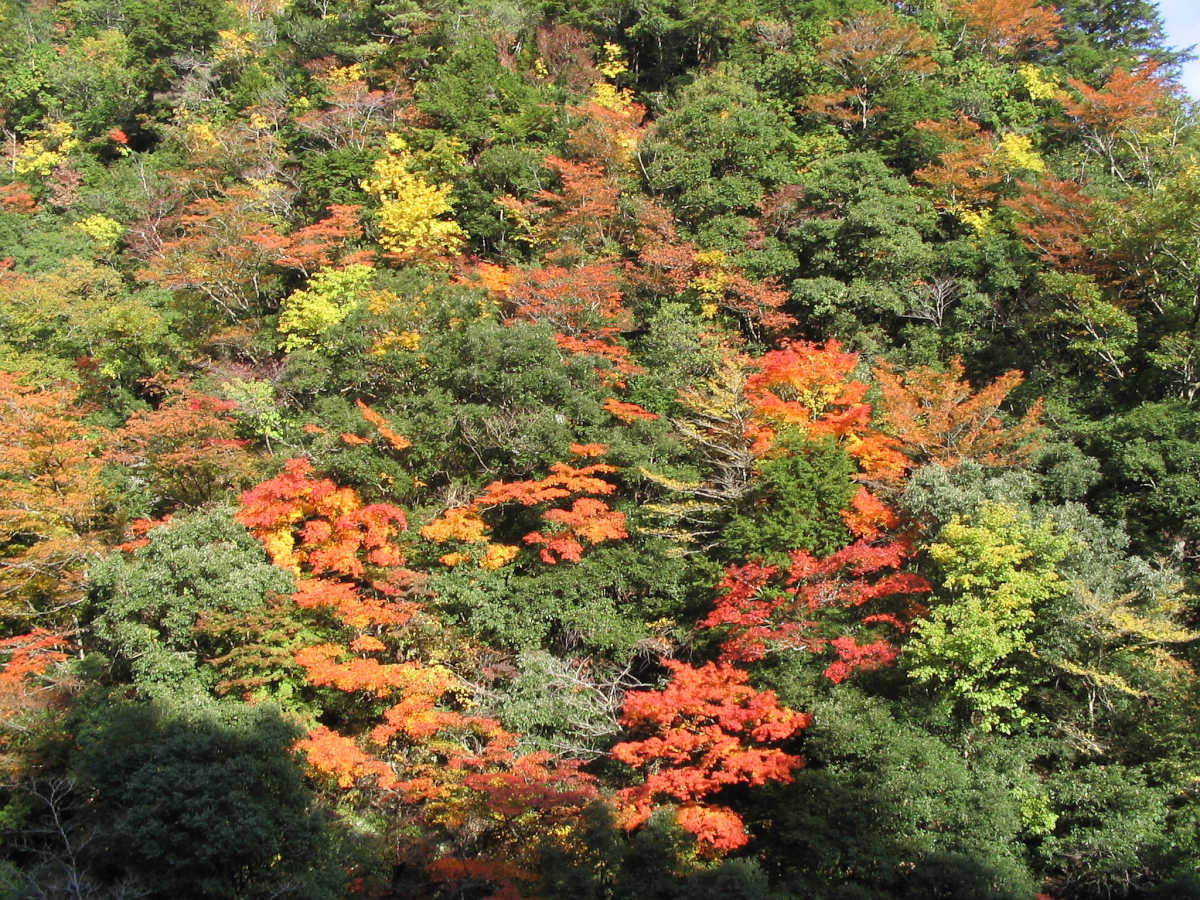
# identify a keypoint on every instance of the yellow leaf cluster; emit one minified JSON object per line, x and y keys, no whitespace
{"x":101,"y":229}
{"x":234,"y":44}
{"x":330,"y":295}
{"x":605,"y":93}
{"x":45,"y":149}
{"x":340,"y":76}
{"x":412,"y":212}
{"x":1039,"y":86}
{"x":1015,"y":152}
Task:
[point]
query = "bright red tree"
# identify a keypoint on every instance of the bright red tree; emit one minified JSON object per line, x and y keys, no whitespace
{"x":706,"y":730}
{"x":852,"y":602}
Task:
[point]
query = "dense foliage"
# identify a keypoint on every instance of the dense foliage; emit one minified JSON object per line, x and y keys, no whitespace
{"x":604,"y":450}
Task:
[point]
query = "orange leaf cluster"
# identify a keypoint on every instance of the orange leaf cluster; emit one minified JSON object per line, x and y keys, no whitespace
{"x":342,"y":758}
{"x":587,"y":520}
{"x":1130,"y":99}
{"x":321,"y":244}
{"x":583,"y":301}
{"x":1054,"y":219}
{"x":228,"y":248}
{"x":137,"y":531}
{"x":865,"y":53}
{"x":809,"y":385}
{"x":396,"y":440}
{"x":669,"y":266}
{"x":24,"y":693}
{"x":321,"y":664}
{"x":457,"y":772}
{"x":937,"y":417}
{"x":51,"y":497}
{"x":16,"y":198}
{"x":314,"y":522}
{"x":868,"y":517}
{"x":583,"y":304}
{"x":578,"y":218}
{"x":628,"y":412}
{"x":708,"y":729}
{"x":187,"y":447}
{"x":32,"y":653}
{"x":344,"y":600}
{"x":1007,"y":26}
{"x":962,"y":175}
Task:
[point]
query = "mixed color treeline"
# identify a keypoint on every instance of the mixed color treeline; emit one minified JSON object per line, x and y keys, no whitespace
{"x":619,"y":450}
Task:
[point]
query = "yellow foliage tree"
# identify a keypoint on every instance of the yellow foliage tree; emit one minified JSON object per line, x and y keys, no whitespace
{"x":414,"y":218}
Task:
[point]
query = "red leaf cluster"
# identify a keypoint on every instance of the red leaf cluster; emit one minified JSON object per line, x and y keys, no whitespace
{"x":708,"y":729}
{"x":586,"y":521}
{"x":302,"y":520}
{"x":767,"y":610}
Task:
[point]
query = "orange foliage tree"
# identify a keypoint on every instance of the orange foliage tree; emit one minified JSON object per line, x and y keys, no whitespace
{"x":669,"y":266}
{"x":864,"y":53}
{"x":580,"y":217}
{"x":30,"y":701}
{"x":352,"y":115}
{"x":316,"y":523}
{"x":706,"y":730}
{"x":584,"y":305}
{"x":809,"y":386}
{"x":454,"y":774}
{"x":739,"y":417}
{"x":588,"y":520}
{"x":1006,"y":27}
{"x":1120,"y":115}
{"x":187,"y":448}
{"x":1054,"y":219}
{"x":938,"y":417}
{"x":961,"y":177}
{"x":229,"y":252}
{"x":52,"y":502}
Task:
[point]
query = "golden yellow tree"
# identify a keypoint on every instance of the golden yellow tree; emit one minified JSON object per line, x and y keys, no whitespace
{"x":414,"y":216}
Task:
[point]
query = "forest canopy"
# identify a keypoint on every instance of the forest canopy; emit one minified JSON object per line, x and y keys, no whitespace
{"x":518,"y":449}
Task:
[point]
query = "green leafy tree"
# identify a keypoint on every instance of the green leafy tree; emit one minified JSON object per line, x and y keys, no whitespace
{"x":144,"y":604}
{"x":186,"y":798}
{"x":716,"y":153}
{"x":997,"y":567}
{"x":799,"y":493}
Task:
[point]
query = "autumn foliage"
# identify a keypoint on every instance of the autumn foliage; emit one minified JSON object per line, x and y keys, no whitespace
{"x":937,"y":417}
{"x":810,"y":386}
{"x":52,"y":501}
{"x":706,"y":730}
{"x":27,"y":694}
{"x":455,"y":773}
{"x":587,"y":520}
{"x":864,"y":53}
{"x":855,"y":602}
{"x":1008,"y":26}
{"x":324,"y":527}
{"x":187,"y":447}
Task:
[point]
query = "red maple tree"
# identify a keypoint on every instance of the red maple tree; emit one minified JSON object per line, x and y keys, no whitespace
{"x":706,"y":730}
{"x":814,"y":604}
